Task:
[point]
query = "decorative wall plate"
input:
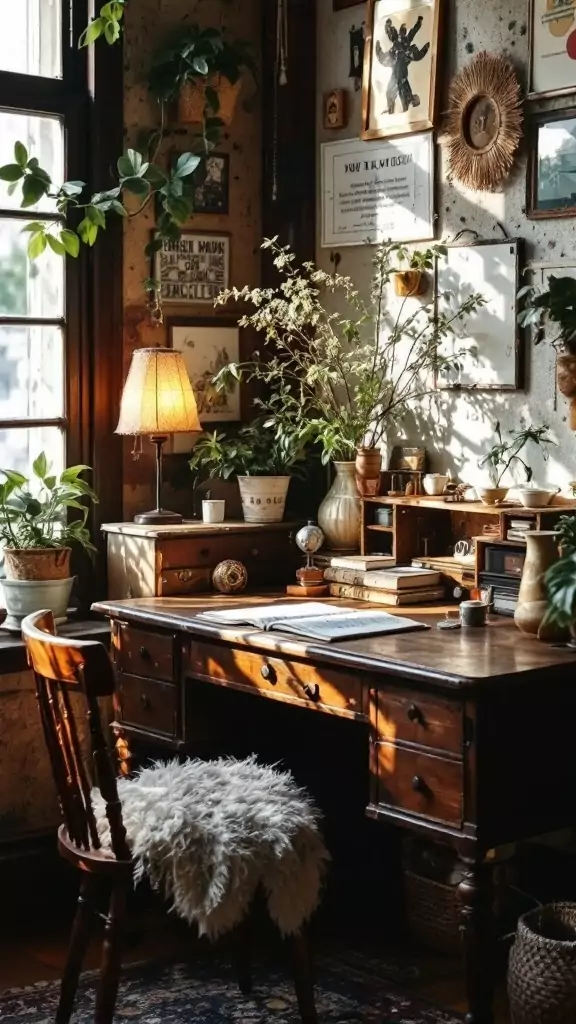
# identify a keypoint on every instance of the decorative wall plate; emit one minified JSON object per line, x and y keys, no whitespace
{"x":484,"y":122}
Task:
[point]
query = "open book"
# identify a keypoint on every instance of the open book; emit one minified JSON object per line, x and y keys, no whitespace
{"x":314,"y":620}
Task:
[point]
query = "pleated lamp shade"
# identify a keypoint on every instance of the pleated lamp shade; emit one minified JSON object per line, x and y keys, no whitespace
{"x":158,"y":396}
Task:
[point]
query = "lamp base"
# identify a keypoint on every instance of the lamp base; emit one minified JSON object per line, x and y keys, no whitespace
{"x":158,"y":517}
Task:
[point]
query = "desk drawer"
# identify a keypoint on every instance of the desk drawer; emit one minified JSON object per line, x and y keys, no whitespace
{"x":148,"y":704}
{"x":401,"y":715}
{"x":324,"y":689}
{"x":255,"y":548}
{"x":143,"y":652}
{"x":173,"y":582}
{"x":420,"y":783}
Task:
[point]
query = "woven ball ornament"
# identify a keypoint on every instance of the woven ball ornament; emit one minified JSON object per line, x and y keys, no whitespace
{"x":230,"y":577}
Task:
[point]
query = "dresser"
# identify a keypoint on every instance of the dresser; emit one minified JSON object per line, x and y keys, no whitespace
{"x":166,"y":561}
{"x":469,"y":732}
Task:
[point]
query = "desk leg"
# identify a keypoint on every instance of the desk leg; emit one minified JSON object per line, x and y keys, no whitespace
{"x":477,"y":930}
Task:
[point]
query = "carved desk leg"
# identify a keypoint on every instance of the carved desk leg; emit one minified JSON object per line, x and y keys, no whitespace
{"x":477,"y":929}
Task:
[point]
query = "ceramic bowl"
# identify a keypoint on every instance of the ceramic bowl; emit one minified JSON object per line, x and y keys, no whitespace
{"x":490,"y":495}
{"x":434,"y":483}
{"x":536,"y":497}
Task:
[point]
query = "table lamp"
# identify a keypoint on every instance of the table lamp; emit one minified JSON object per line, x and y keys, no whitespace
{"x":157,"y":400}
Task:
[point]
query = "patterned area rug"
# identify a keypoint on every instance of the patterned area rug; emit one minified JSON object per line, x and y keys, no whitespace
{"x":206,"y":993}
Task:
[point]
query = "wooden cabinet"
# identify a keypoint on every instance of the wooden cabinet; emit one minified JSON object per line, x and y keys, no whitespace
{"x":173,"y":561}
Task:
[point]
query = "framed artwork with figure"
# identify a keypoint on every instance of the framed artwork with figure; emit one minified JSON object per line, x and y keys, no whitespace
{"x":552,"y":48}
{"x":399,"y":87}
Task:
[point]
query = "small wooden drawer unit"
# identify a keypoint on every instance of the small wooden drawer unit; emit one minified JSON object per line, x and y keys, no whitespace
{"x":329,"y":690}
{"x":172,"y":561}
{"x":420,"y":783}
{"x":417,"y":718}
{"x":142,"y":652}
{"x":148,"y":704}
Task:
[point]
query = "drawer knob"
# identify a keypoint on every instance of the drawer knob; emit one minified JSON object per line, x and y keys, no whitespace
{"x":268,"y":673}
{"x":145,"y":702}
{"x":418,"y":784}
{"x":144,"y":653}
{"x":185,"y":575}
{"x":312,"y":692}
{"x":204,"y":552}
{"x":254,"y":552}
{"x":414,"y":713}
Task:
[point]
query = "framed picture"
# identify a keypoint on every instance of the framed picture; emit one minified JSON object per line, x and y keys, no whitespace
{"x":400,"y":63}
{"x":195,"y":269}
{"x":207,"y":344}
{"x":551,"y":177}
{"x":211,"y":184}
{"x":375,"y":191}
{"x":335,"y":109}
{"x":489,"y":339}
{"x":552,"y":48}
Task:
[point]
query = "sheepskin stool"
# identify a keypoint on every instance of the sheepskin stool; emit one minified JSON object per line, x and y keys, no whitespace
{"x":207,"y":833}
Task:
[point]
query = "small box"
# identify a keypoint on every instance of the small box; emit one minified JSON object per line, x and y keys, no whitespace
{"x":504,"y":560}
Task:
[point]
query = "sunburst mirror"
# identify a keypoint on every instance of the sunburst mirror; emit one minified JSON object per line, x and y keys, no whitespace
{"x":484,"y":122}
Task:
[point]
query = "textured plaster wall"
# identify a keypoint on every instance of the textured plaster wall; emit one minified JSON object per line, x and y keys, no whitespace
{"x":147,"y":25}
{"x":457,"y":429}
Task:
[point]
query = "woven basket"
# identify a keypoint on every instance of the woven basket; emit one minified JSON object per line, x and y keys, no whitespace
{"x":542,"y":967}
{"x":432,"y":911}
{"x":191,"y":101}
{"x":37,"y":563}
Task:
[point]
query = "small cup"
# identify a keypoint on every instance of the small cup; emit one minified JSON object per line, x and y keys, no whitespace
{"x":213,"y":510}
{"x":473,"y":613}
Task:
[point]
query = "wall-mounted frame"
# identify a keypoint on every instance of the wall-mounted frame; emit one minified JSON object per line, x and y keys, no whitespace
{"x":552,"y":48}
{"x":195,"y":269}
{"x":207,"y":344}
{"x":399,"y":87}
{"x":488,"y":340}
{"x":375,"y":191}
{"x":551,"y":175}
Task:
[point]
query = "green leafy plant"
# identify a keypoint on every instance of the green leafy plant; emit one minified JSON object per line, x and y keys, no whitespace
{"x":560,"y":584}
{"x":566,"y":534}
{"x":262,"y":448}
{"x":420,"y":259}
{"x":33,"y":514}
{"x":107,"y":24}
{"x":344,"y":377}
{"x":507,"y":451}
{"x":556,"y":304}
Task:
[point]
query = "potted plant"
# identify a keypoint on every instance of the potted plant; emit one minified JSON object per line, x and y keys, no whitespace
{"x":420,"y":262}
{"x":263,"y":456}
{"x":556,"y":305}
{"x":348,"y":375}
{"x":504,"y":454}
{"x":202,"y":70}
{"x":37,"y":536}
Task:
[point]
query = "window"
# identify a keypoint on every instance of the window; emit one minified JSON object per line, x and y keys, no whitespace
{"x":45,"y":104}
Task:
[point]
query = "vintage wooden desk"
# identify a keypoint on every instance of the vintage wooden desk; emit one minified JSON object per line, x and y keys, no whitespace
{"x":471,"y":731}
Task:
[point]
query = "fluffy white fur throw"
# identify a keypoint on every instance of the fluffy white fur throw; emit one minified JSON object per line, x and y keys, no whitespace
{"x":207,"y":833}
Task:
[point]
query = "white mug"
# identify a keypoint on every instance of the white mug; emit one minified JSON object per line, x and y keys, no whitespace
{"x":213,"y":510}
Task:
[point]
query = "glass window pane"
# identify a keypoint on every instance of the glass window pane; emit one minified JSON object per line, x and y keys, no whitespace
{"x":44,"y":139}
{"x":31,"y":40}
{"x":31,"y":372}
{"x":20,"y":446}
{"x":28,"y":287}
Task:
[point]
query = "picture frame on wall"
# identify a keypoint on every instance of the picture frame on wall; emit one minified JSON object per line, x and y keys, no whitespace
{"x":552,"y":48}
{"x":378,"y":190}
{"x":487,"y":344}
{"x":211,"y":184}
{"x":207,"y":345}
{"x":195,"y":269}
{"x":551,"y":175}
{"x":399,"y":87}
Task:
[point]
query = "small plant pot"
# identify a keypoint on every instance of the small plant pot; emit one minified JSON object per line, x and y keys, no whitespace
{"x":23,"y":597}
{"x":192,"y":99}
{"x":490,"y":495}
{"x":409,"y":282}
{"x":566,"y":375}
{"x":368,"y":467}
{"x":37,"y":563}
{"x":263,"y":498}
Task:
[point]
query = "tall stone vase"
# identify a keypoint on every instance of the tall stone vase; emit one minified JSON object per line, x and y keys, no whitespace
{"x":541,"y":553}
{"x":339,"y":513}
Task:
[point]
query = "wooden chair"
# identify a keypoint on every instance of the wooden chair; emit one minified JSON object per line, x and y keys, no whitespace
{"x":61,"y":667}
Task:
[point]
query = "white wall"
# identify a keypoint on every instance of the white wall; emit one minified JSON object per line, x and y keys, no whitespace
{"x":457,"y":429}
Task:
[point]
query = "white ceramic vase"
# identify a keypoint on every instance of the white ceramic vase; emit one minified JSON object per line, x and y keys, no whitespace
{"x":340,"y":511}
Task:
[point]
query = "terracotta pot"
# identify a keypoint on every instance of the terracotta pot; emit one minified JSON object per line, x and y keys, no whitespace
{"x":368,"y":467}
{"x":192,"y":101}
{"x":409,"y":282}
{"x":339,"y":513}
{"x":37,"y":563}
{"x":566,"y":375}
{"x":541,"y":553}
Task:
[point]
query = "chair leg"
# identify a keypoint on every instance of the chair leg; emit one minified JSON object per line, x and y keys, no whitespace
{"x":303,"y":983}
{"x":243,"y":956}
{"x":111,"y":957}
{"x":79,"y":939}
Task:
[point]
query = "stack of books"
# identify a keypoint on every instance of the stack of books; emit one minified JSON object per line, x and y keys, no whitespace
{"x":519,"y":528}
{"x":358,"y":578}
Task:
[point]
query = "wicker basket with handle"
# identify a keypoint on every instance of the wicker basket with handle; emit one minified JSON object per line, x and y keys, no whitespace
{"x":542,"y":967}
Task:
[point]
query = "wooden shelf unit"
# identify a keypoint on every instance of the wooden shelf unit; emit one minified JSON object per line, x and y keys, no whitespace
{"x":428,"y":528}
